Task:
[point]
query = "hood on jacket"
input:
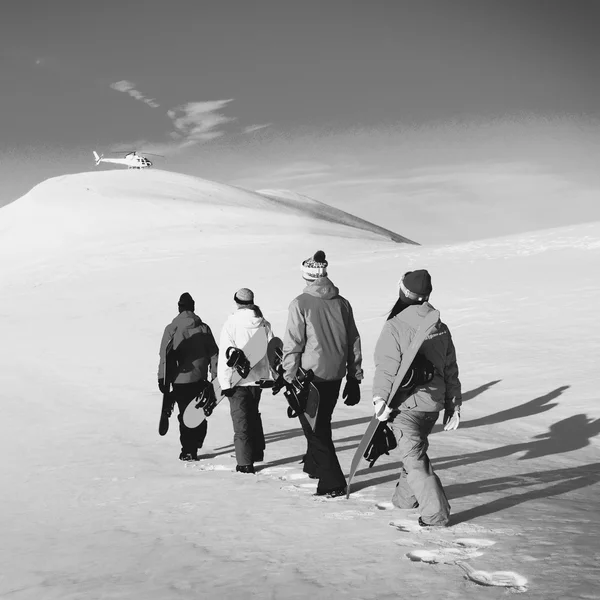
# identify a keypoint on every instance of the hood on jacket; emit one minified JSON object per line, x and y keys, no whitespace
{"x":187,"y":319}
{"x":413,"y":313}
{"x":322,"y":288}
{"x":245,"y":317}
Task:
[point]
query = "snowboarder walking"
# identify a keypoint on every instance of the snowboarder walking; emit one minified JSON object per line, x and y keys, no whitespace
{"x":321,"y":335}
{"x":196,"y":352}
{"x":244,"y":398}
{"x":412,"y":421}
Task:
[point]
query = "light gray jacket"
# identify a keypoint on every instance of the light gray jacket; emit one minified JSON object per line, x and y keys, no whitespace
{"x":321,"y":334}
{"x":393,"y":341}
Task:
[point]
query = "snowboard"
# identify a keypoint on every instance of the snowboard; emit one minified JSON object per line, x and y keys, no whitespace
{"x":169,"y":376}
{"x":424,"y":329}
{"x":198,"y":410}
{"x":302,"y":395}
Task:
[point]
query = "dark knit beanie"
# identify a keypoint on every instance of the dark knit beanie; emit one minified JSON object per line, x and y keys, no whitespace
{"x":315,"y":266}
{"x":244,"y":296}
{"x":186,"y":302}
{"x":415,"y":287}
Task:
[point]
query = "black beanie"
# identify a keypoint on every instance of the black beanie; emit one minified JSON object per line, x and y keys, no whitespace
{"x":186,"y":302}
{"x":415,"y":287}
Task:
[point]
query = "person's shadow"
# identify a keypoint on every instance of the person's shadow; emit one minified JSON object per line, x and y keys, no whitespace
{"x":533,"y":407}
{"x":286,"y":434}
{"x":479,"y":390}
{"x":570,"y":434}
{"x":562,"y":480}
{"x":567,"y":435}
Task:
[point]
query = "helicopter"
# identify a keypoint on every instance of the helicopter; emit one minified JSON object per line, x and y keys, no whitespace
{"x":132,"y":160}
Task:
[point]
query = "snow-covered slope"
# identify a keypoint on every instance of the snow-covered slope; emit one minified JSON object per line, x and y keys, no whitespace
{"x":96,"y":504}
{"x":96,"y":218}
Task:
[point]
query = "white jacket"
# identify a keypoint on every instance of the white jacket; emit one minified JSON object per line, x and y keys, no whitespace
{"x":237,"y":330}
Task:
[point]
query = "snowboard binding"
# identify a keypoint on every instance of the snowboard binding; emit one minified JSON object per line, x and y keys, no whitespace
{"x":237,"y":360}
{"x":301,"y":394}
{"x":299,"y":389}
{"x":420,"y":373}
{"x":295,"y":392}
{"x":205,"y":396}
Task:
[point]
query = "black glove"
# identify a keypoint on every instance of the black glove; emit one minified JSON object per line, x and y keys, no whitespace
{"x":351,"y":393}
{"x":161,"y":386}
{"x":228,"y":392}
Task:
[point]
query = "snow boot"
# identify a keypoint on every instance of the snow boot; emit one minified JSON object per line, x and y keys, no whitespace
{"x":188,"y":456}
{"x":423,"y":524}
{"x":341,"y":491}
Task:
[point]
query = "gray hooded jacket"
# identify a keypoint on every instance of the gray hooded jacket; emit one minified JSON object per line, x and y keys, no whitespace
{"x":321,"y":334}
{"x":395,"y":338}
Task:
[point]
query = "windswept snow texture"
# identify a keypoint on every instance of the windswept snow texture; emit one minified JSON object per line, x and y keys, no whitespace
{"x":320,"y":210}
{"x":95,"y":503}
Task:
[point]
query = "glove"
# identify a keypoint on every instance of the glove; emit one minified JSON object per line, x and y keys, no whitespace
{"x":451,"y":418}
{"x":382,"y":412}
{"x":351,"y":393}
{"x":228,"y":392}
{"x":161,"y":386}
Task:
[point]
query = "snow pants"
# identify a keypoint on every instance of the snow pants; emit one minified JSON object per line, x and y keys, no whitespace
{"x":248,"y":435}
{"x":191,"y":439}
{"x":321,"y":460}
{"x":418,"y":485}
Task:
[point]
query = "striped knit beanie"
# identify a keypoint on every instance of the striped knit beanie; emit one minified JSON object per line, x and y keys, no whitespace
{"x":315,"y":266}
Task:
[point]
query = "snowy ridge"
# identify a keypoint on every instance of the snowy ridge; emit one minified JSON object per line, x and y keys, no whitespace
{"x":107,"y":215}
{"x":106,"y":201}
{"x":304,"y":204}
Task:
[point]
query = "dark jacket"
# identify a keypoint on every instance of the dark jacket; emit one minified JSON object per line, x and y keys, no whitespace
{"x":195,"y":348}
{"x":321,"y":334}
{"x":393,"y":341}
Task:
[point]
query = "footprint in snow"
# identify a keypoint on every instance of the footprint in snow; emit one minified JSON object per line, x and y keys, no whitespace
{"x":296,"y":489}
{"x":446,"y":556}
{"x":507,"y":579}
{"x":293,"y":476}
{"x":276,"y":471}
{"x":348,"y":515}
{"x":450,"y":551}
{"x":207,"y":467}
{"x":390,"y":506}
{"x":406,"y":525}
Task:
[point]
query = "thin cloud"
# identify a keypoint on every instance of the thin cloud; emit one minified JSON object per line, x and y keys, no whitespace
{"x":197,"y":122}
{"x":127,"y":87}
{"x":253,"y":128}
{"x":192,"y":123}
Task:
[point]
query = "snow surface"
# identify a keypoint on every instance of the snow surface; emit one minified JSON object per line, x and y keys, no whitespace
{"x":96,"y":505}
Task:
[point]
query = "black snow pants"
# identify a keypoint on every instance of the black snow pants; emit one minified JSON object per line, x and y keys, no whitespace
{"x":191,"y":439}
{"x":321,"y":460}
{"x":248,"y":435}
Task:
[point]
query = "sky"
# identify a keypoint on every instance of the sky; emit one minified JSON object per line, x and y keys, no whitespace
{"x":469,"y":106}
